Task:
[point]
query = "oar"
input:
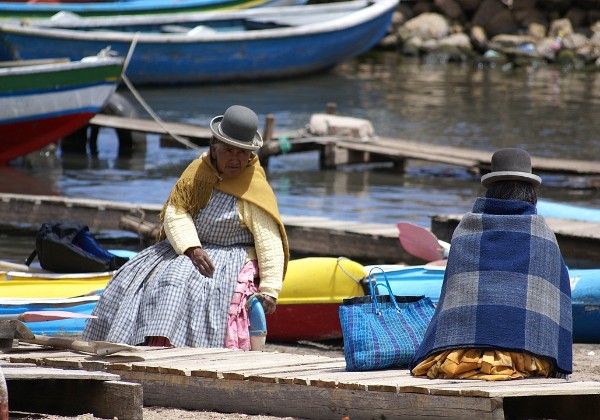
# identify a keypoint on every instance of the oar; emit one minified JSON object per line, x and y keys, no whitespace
{"x":11,"y":266}
{"x":100,"y":348}
{"x":421,"y":242}
{"x":41,"y":316}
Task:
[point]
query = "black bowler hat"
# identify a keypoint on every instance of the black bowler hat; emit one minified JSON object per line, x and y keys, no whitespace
{"x":237,"y":127}
{"x":511,"y":165}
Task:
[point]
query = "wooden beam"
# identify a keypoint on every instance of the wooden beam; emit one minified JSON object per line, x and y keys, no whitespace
{"x":71,"y":392}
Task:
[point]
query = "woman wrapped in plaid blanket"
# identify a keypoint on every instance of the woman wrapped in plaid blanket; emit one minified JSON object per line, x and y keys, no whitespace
{"x":505,"y":306}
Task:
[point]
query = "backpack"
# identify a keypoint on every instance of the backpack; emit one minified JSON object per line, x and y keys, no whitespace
{"x":67,"y":246}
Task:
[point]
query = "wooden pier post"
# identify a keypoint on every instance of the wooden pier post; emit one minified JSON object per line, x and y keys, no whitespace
{"x":267,"y":135}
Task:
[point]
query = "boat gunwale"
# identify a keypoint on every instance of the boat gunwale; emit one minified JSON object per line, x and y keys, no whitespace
{"x":353,"y":19}
{"x":84,"y":63}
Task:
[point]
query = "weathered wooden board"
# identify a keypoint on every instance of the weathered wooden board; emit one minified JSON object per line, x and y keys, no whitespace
{"x":38,"y":389}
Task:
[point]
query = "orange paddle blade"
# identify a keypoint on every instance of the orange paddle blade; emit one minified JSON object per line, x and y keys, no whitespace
{"x":39,"y":316}
{"x":419,"y":241}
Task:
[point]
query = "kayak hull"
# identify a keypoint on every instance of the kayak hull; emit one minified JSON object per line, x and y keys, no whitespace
{"x":314,"y":289}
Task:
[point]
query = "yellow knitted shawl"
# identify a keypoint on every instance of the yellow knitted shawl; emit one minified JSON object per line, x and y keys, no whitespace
{"x":194,"y":188}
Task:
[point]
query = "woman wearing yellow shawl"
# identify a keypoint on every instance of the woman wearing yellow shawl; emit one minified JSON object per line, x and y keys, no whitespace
{"x":222,"y":240}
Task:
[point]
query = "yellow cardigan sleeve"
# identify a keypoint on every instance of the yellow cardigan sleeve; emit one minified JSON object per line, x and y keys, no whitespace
{"x":268,"y":245}
{"x":180,"y":229}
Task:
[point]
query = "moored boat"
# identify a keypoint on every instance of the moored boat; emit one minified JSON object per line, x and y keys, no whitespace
{"x":307,"y":308}
{"x":129,"y":7}
{"x":264,"y":43}
{"x":314,"y":288}
{"x":40,"y":103}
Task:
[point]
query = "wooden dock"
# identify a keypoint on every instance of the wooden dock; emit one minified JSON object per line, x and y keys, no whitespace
{"x":317,"y":387}
{"x":338,"y":150}
{"x":308,"y":236}
{"x":372,"y":243}
{"x":579,"y":241}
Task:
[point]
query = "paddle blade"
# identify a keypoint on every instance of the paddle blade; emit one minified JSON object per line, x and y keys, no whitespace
{"x":419,"y":242}
{"x":40,"y":316}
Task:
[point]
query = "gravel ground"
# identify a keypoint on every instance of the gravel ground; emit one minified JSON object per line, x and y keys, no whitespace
{"x":586,"y":367}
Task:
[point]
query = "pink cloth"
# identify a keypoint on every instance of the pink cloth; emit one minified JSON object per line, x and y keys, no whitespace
{"x":237,"y":336}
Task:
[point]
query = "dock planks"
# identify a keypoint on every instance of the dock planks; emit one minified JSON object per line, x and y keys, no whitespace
{"x":338,"y":150}
{"x":372,"y":243}
{"x":313,"y":236}
{"x":319,"y":387}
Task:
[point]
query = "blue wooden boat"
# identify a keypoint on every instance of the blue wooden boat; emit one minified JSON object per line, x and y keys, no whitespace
{"x":130,"y":7}
{"x":263,"y":43}
{"x":585,"y":294}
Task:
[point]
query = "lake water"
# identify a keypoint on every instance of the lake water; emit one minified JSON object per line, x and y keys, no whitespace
{"x":544,"y":110}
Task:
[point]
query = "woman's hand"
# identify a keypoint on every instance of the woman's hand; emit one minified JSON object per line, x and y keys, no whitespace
{"x":201,"y":261}
{"x":267,"y":302}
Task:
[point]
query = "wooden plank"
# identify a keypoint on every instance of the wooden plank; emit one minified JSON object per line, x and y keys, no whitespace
{"x":289,"y":400}
{"x":97,"y":214}
{"x":37,"y":372}
{"x":146,"y":125}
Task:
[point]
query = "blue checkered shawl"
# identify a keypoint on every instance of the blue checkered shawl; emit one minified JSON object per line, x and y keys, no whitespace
{"x":506,"y":287}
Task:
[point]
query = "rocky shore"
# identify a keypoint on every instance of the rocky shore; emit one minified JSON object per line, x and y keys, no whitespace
{"x":520,"y":32}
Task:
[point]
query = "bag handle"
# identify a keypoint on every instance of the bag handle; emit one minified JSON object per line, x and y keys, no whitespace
{"x":386,"y":285}
{"x":31,"y":257}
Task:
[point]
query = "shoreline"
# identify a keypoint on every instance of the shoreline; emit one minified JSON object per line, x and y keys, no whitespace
{"x":505,"y":33}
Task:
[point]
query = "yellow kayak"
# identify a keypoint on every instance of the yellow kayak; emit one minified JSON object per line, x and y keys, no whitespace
{"x":21,"y":284}
{"x":313,"y":289}
{"x":307,"y":308}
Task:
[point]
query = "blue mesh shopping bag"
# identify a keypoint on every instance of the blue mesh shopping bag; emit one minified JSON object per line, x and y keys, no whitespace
{"x":383,"y":331}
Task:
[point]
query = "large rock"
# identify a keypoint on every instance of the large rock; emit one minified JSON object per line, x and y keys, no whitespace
{"x":451,"y":9}
{"x":487,"y":10}
{"x":502,"y":23}
{"x":425,"y":26}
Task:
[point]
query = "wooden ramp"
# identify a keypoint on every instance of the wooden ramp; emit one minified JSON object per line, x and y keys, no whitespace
{"x":318,"y":387}
{"x":70,"y":392}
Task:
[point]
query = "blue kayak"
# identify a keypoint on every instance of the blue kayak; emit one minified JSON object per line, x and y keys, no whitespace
{"x":585,"y":294}
{"x":567,"y":211}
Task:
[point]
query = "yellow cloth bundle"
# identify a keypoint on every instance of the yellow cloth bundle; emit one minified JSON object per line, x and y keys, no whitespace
{"x":489,"y":365}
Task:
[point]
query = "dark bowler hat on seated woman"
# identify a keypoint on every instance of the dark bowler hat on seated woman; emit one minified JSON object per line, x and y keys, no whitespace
{"x":237,"y":127}
{"x":511,"y":165}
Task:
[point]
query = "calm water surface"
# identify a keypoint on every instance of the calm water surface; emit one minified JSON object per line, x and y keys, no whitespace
{"x":546,"y":111}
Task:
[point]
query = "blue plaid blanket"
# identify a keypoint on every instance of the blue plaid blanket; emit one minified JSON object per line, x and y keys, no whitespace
{"x":505,"y":287}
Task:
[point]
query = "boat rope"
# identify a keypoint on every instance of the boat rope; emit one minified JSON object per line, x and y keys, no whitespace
{"x":358,"y":281}
{"x":145,"y":105}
